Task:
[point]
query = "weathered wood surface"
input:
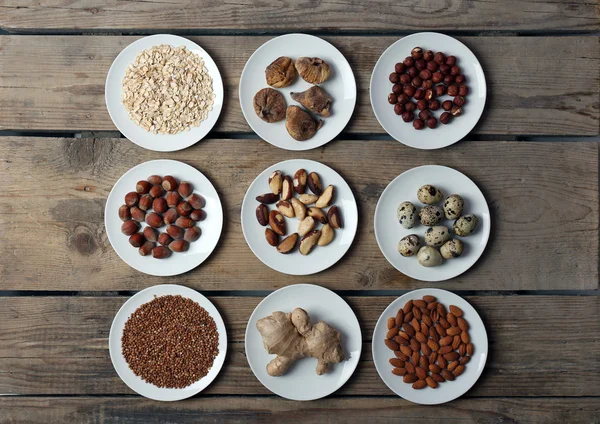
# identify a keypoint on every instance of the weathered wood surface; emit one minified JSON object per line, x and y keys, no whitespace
{"x":538,"y":346}
{"x":373,"y":15}
{"x":536,"y":85}
{"x":203,"y":409}
{"x":543,"y":199}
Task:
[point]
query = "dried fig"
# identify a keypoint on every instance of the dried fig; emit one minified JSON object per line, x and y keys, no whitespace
{"x":313,"y":69}
{"x":315,"y":99}
{"x":281,"y":72}
{"x":300,"y":124}
{"x":269,"y":105}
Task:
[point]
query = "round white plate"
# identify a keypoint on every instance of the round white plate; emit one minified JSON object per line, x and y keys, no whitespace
{"x":340,"y":85}
{"x":388,"y":230}
{"x":321,"y":257}
{"x":178,"y":263}
{"x":448,"y":390}
{"x":136,"y":383}
{"x":120,"y":116}
{"x":443,"y":135}
{"x":301,"y":382}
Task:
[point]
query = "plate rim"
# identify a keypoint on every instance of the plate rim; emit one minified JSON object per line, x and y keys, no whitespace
{"x":301,"y":147}
{"x":345,"y":229}
{"x":217,"y":79}
{"x":485,"y":235}
{"x":312,"y":287}
{"x":416,"y":34}
{"x":166,"y":274}
{"x":219,"y":360}
{"x":432,"y":291}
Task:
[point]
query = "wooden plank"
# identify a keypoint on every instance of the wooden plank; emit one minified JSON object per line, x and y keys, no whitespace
{"x":57,"y":82}
{"x":543,"y":199}
{"x":373,"y":15}
{"x":539,"y":346}
{"x":203,"y":409}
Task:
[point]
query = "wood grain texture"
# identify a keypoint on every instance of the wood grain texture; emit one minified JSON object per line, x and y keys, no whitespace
{"x":538,"y":346}
{"x":373,"y":15}
{"x":543,"y":199}
{"x":203,"y":409}
{"x":57,"y":82}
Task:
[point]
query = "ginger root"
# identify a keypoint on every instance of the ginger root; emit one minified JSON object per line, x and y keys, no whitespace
{"x":291,"y":336}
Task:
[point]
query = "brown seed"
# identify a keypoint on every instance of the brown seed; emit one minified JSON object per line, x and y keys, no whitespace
{"x":164,"y":239}
{"x":410,"y":378}
{"x":441,"y":361}
{"x":409,"y":329}
{"x":399,"y":318}
{"x":421,"y":337}
{"x":417,"y":313}
{"x":173,"y":198}
{"x":314,"y":183}
{"x":433,"y":357}
{"x":416,"y":325}
{"x":392,"y":345}
{"x":392,"y":332}
{"x":421,"y":373}
{"x":143,"y":187}
{"x":407,"y":307}
{"x":175,"y":232}
{"x":130,"y":227}
{"x":401,"y":356}
{"x":444,"y":323}
{"x":424,"y":329}
{"x":399,"y":371}
{"x":146,"y":248}
{"x":179,"y":246}
{"x":262,"y":214}
{"x":453,"y":331}
{"x":438,"y":378}
{"x":419,"y":303}
{"x":391,"y":323}
{"x":124,"y":213}
{"x":464,"y":337}
{"x":470,"y":349}
{"x":334,"y":217}
{"x":169,"y":183}
{"x":401,"y":341}
{"x":192,"y":234}
{"x":452,"y":356}
{"x":155,"y":179}
{"x":452,"y":365}
{"x":184,"y":208}
{"x":465,"y":360}
{"x":161,"y":252}
{"x":448,"y":375}
{"x":463,"y":324}
{"x":404,"y":335}
{"x":267,"y":198}
{"x":185,"y":189}
{"x":408,"y":317}
{"x":185,"y":222}
{"x":425,"y":349}
{"x":444,"y":350}
{"x":435,"y":368}
{"x":136,"y":240}
{"x":406,"y":350}
{"x":440,"y":330}
{"x":415,"y":358}
{"x":132,"y":198}
{"x":455,"y":342}
{"x":424,"y":362}
{"x":445,"y":341}
{"x":420,"y":384}
{"x":159,"y":205}
{"x":272,"y":237}
{"x":429,"y":298}
{"x":458,"y":370}
{"x":170,"y":216}
{"x":431,"y":382}
{"x":150,"y":234}
{"x":300,"y":178}
{"x":196,"y":201}
{"x":277,"y":222}
{"x":397,"y":362}
{"x":441,"y":310}
{"x":157,"y":191}
{"x":434,"y":334}
{"x":433,"y":345}
{"x":452,"y":319}
{"x":198,"y":215}
{"x":415,"y":345}
{"x":138,"y":214}
{"x":462,"y":349}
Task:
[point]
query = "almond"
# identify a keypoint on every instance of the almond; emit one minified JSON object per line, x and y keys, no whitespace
{"x":415,"y":357}
{"x":334,"y":217}
{"x":433,"y":334}
{"x":399,"y":317}
{"x":401,"y":356}
{"x":444,"y":323}
{"x":391,"y":323}
{"x":421,"y":337}
{"x":410,"y":378}
{"x":425,"y":349}
{"x":392,"y":332}
{"x":464,"y":337}
{"x":309,"y":241}
{"x":435,"y":317}
{"x":429,"y":299}
{"x":397,"y":363}
{"x":463,"y":324}
{"x":452,"y":365}
{"x":285,"y":208}
{"x":432,"y":306}
{"x":392,"y":345}
{"x":424,"y":363}
{"x":452,"y":356}
{"x":276,"y":182}
{"x":277,"y":223}
{"x":401,"y":341}
{"x":314,"y":183}
{"x":407,"y":307}
{"x":272,"y":237}
{"x":452,"y":319}
{"x":437,"y":378}
{"x":456,"y":311}
{"x":455,"y":342}
{"x":435,"y":368}
{"x":418,"y":385}
{"x":462,"y":349}
{"x":427,"y":320}
{"x":453,"y":331}
{"x":433,"y":357}
{"x":424,"y":329}
{"x":408,"y":317}
{"x":421,"y":373}
{"x":404,"y":335}
{"x":300,"y":178}
{"x":417,"y":313}
{"x":288,"y":244}
{"x":470,"y":349}
{"x":326,"y":198}
{"x":267,"y":198}
{"x":445,"y":341}
{"x":306,"y":226}
{"x":416,"y":325}
{"x":440,"y":330}
{"x":327,"y":235}
{"x":458,"y":370}
{"x":409,"y":329}
{"x":448,"y":375}
{"x":431,"y":382}
{"x":399,"y":371}
{"x":308,"y":199}
{"x":441,"y":361}
{"x":433,"y":345}
{"x":406,"y":350}
{"x":444,"y":350}
{"x":287,"y":189}
{"x":419,"y":303}
{"x":318,"y":215}
{"x":299,"y":208}
{"x":414,"y":345}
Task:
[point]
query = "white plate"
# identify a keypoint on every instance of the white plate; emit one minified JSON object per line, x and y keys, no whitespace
{"x":388,"y":230}
{"x":136,"y":383}
{"x":178,"y":263}
{"x":340,"y":85}
{"x":321,"y":257}
{"x":120,"y":116}
{"x":448,"y":390}
{"x":301,"y":382}
{"x":443,"y":135}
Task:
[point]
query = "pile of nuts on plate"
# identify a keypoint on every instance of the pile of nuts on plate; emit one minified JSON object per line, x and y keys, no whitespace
{"x":160,"y":201}
{"x":430,"y":345}
{"x":282,"y":194}
{"x":426,"y":76}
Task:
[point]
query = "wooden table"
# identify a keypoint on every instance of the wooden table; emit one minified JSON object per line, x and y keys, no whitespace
{"x":535,"y":155}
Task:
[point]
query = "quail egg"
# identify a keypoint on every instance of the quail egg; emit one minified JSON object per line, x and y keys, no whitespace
{"x":428,"y":256}
{"x":430,"y":215}
{"x":452,"y":249}
{"x":407,"y":215}
{"x":465,"y":225}
{"x":436,"y":236}
{"x":453,"y":206}
{"x":409,"y":245}
{"x":429,"y":195}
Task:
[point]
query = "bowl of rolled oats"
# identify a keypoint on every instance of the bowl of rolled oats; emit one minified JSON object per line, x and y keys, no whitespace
{"x":164,"y":92}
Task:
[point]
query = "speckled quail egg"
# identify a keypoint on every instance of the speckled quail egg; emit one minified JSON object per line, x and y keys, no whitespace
{"x":409,"y":245}
{"x":407,"y":215}
{"x":429,"y":195}
{"x":452,"y":249}
{"x":428,"y":256}
{"x":465,"y":225}
{"x":430,"y":215}
{"x":436,"y":236}
{"x":453,"y":206}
